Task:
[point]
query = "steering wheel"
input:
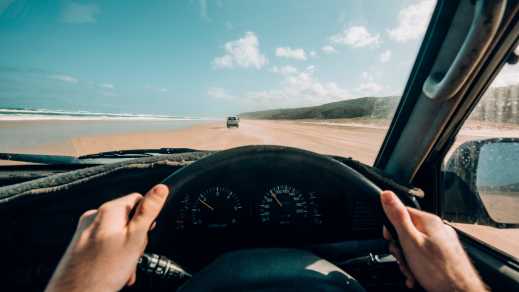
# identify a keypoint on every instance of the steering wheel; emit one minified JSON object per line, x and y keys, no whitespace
{"x":264,"y":269}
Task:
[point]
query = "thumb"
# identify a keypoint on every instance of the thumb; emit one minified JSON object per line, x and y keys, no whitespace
{"x":149,"y":207}
{"x":398,"y":214}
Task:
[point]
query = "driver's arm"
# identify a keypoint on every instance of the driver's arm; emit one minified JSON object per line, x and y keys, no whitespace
{"x":433,"y":254}
{"x":104,"y":251}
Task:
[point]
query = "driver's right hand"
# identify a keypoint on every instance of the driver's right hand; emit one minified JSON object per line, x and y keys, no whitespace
{"x":432,"y":252}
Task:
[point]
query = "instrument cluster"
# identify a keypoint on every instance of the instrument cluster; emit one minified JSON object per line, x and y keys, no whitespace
{"x":220,"y":208}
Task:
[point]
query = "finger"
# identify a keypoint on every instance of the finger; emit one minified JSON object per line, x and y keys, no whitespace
{"x":128,"y":202}
{"x":407,"y":274}
{"x":386,"y":234}
{"x":132,"y":280}
{"x":397,"y":253}
{"x":402,"y":265}
{"x":87,"y":218}
{"x":397,"y":214}
{"x":149,"y":207}
{"x":114,"y":214}
{"x":424,"y":221}
{"x":410,"y":282}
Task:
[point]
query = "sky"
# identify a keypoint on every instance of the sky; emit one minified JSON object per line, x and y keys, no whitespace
{"x":204,"y":57}
{"x":497,"y":165}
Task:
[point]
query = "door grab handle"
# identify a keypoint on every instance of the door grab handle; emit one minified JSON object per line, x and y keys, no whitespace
{"x":487,"y":17}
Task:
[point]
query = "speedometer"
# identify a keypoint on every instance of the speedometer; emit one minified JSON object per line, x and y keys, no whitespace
{"x":215,"y":208}
{"x":285,"y":205}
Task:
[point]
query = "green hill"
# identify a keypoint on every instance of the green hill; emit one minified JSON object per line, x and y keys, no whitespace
{"x":500,"y":104}
{"x":369,"y":107}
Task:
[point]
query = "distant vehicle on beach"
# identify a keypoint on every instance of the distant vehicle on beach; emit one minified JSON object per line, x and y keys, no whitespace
{"x":233,"y":121}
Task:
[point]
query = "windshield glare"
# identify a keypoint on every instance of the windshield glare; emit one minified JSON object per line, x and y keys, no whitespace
{"x":81,"y":77}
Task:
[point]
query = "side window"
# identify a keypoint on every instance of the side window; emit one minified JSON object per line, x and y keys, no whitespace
{"x":481,"y":170}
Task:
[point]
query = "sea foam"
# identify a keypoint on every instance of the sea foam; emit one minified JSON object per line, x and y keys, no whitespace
{"x":22,"y":114}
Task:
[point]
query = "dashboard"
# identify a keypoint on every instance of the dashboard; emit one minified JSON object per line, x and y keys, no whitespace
{"x":259,"y":202}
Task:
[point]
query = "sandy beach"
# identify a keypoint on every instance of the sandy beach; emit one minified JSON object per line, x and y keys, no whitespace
{"x":350,"y":139}
{"x":360,"y":141}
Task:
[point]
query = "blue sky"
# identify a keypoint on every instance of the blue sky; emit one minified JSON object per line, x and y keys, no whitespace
{"x":204,"y":57}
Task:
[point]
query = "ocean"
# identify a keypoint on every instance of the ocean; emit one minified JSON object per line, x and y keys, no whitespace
{"x":25,"y":114}
{"x":29,"y":128}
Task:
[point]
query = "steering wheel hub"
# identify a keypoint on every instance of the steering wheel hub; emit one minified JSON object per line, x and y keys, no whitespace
{"x":271,"y":270}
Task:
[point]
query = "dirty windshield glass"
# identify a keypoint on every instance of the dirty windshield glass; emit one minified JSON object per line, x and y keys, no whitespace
{"x":81,"y":77}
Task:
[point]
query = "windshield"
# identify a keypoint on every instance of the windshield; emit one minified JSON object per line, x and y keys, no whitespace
{"x":81,"y":77}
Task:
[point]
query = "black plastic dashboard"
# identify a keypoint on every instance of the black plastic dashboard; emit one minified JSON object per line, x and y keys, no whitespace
{"x":38,"y":217}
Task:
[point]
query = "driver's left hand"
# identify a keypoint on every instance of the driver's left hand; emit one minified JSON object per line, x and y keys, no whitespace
{"x":107,"y":244}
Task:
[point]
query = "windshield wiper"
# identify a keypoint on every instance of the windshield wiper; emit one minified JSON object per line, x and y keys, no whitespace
{"x":136,"y":153}
{"x":91,"y":158}
{"x":40,"y":158}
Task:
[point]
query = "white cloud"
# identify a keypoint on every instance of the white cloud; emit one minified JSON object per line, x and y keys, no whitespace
{"x":356,"y":37}
{"x":156,"y":88}
{"x":509,"y":75}
{"x":64,"y":78}
{"x":301,"y":88}
{"x":328,"y":49}
{"x":243,"y":52}
{"x":219,"y":93}
{"x":297,"y":88}
{"x":412,"y":21}
{"x":107,"y":85}
{"x":385,"y":56}
{"x":368,"y":86}
{"x":313,"y":54}
{"x":287,"y":52}
{"x":79,"y":13}
{"x":284,"y":70}
{"x":224,"y":61}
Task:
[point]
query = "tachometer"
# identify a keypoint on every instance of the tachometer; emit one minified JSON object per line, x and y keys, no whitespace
{"x":285,"y":205}
{"x":216,"y":207}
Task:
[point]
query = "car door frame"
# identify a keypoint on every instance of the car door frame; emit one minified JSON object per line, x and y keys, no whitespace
{"x":422,"y":168}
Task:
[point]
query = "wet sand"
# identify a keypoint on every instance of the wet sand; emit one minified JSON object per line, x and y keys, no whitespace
{"x":360,"y":141}
{"x":53,"y":135}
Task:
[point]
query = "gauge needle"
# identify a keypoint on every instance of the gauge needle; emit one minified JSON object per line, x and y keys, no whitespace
{"x":207,"y":205}
{"x":276,"y":199}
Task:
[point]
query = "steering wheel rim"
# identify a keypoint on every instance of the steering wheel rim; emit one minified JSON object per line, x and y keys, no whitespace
{"x":185,"y":175}
{"x":248,"y":154}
